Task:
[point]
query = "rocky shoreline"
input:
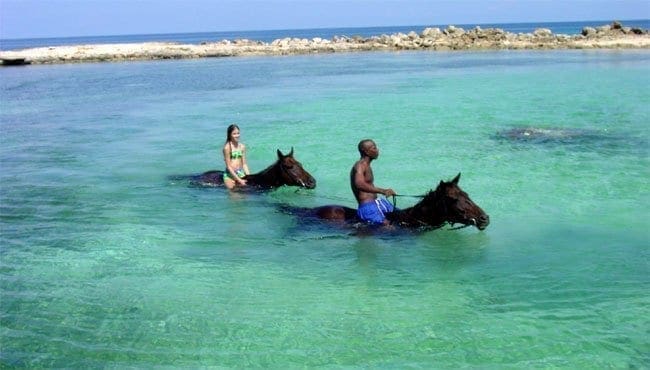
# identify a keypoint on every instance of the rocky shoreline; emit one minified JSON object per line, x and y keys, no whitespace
{"x":612,"y":36}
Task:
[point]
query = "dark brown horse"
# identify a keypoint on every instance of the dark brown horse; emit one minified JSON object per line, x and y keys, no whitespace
{"x":285,"y":171}
{"x":448,"y":204}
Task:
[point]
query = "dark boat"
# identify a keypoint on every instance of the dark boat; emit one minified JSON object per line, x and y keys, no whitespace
{"x":15,"y":62}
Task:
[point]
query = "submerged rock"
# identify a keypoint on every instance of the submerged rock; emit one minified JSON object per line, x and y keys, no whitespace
{"x":575,"y":139}
{"x":541,"y":135}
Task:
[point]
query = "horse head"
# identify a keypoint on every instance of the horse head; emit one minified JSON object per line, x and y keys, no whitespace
{"x":292,"y":172}
{"x":449,"y":203}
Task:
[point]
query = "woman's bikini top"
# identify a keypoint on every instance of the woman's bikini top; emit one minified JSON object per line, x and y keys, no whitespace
{"x":235,"y":153}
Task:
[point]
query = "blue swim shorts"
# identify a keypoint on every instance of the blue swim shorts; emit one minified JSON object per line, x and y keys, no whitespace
{"x":374,"y":211}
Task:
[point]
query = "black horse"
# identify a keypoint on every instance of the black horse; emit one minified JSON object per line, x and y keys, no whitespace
{"x":285,"y":171}
{"x":448,"y":204}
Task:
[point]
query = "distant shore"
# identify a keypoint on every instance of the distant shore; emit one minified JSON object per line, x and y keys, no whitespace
{"x":611,"y":36}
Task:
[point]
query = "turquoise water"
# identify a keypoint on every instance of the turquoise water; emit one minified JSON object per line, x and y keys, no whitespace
{"x":105,"y":262}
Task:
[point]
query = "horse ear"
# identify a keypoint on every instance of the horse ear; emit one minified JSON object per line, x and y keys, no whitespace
{"x":455,"y":180}
{"x":280,"y":155}
{"x":290,"y":153}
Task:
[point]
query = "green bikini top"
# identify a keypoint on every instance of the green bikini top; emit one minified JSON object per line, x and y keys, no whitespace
{"x":235,"y":153}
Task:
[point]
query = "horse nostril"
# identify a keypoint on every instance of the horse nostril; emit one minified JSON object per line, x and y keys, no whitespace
{"x":485,"y":219}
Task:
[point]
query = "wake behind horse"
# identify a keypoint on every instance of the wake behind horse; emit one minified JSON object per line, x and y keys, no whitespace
{"x":285,"y":171}
{"x":447,"y":204}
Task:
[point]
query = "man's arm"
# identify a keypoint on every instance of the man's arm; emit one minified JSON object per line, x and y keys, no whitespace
{"x":362,"y":184}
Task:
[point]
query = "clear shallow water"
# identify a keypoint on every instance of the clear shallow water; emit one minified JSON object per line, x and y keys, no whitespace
{"x":105,"y":262}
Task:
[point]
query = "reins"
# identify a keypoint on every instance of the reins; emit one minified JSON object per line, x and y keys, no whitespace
{"x":459,"y":227}
{"x":285,"y":172}
{"x":404,"y":195}
{"x":288,"y":174}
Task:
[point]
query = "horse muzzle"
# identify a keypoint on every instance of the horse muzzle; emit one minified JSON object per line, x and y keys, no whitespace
{"x":309,"y":184}
{"x":481,"y":222}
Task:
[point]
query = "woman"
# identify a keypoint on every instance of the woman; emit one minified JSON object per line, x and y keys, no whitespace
{"x":234,"y":154}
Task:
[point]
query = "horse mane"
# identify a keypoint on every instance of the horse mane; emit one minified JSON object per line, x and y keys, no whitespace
{"x":420,"y":214}
{"x":416,"y":215}
{"x":268,"y":177}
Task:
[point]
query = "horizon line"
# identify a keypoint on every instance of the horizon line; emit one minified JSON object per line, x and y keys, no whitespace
{"x":326,"y":28}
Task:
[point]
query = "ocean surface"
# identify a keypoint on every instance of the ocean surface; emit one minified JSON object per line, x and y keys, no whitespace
{"x":107,"y":263}
{"x":567,"y":28}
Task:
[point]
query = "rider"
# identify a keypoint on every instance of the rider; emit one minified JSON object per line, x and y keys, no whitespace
{"x":234,"y":155}
{"x":370,"y":208}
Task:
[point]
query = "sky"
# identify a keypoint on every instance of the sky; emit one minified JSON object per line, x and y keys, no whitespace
{"x":63,"y":18}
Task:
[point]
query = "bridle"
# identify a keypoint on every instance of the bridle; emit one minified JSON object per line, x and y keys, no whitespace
{"x":285,"y":172}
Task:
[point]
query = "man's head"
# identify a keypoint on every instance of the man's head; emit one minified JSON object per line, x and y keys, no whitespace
{"x":368,"y":148}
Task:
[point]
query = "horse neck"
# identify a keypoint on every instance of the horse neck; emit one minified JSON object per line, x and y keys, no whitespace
{"x":415,"y":216}
{"x":270,"y":177}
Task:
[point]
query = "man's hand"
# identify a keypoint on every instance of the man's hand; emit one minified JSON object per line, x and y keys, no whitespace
{"x":388,"y":192}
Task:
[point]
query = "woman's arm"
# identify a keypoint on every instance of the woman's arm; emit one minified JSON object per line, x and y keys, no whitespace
{"x":244,"y":164}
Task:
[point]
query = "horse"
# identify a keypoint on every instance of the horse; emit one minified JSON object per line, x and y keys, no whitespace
{"x":285,"y":171}
{"x":447,"y":204}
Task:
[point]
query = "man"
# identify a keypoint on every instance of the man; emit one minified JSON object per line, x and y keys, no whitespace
{"x":370,"y":208}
